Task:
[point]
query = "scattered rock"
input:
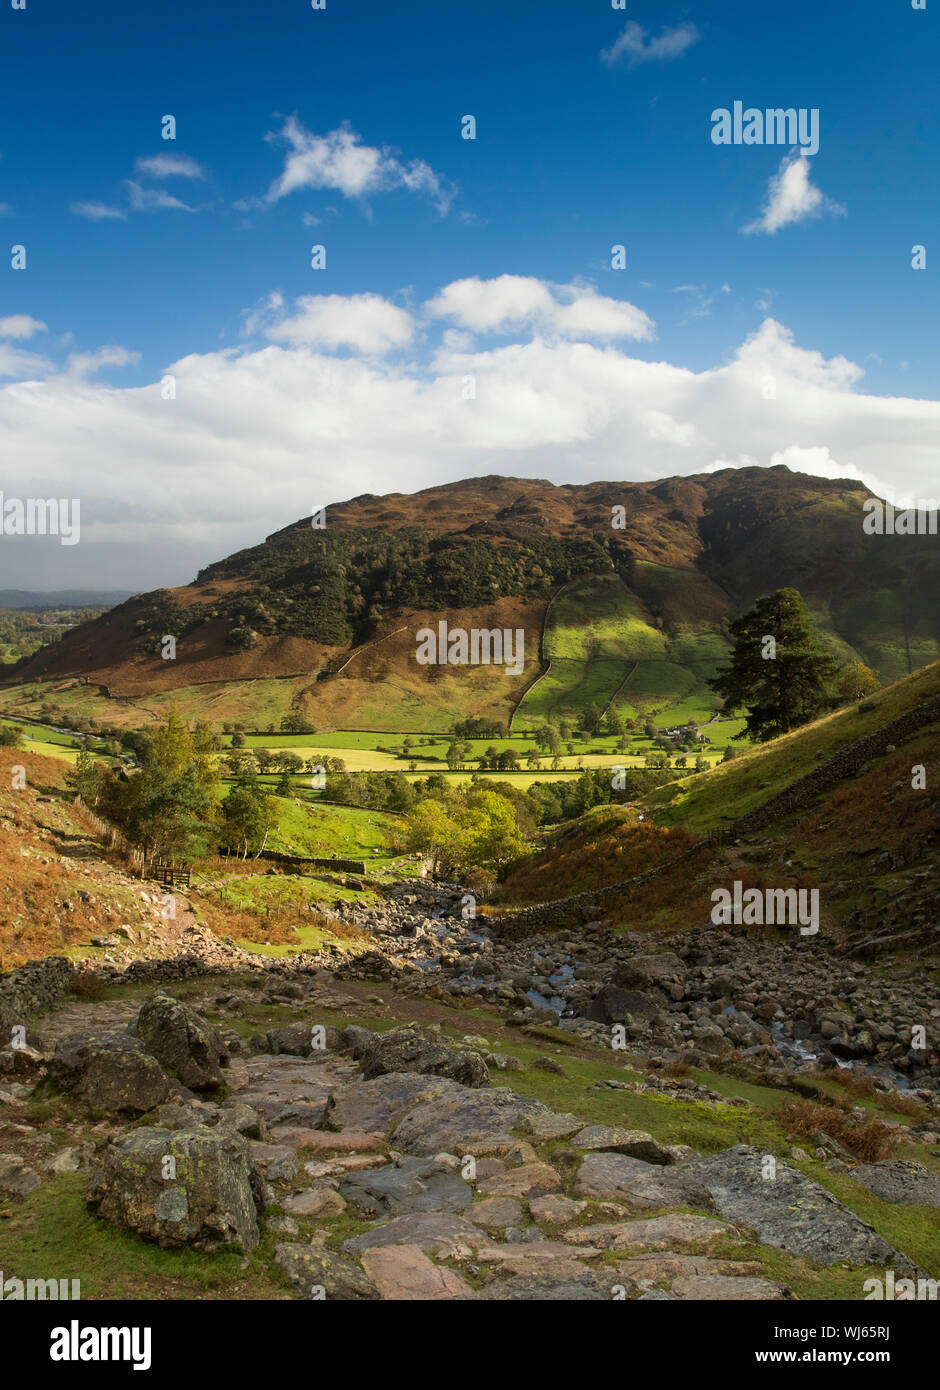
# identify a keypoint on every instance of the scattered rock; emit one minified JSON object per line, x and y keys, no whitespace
{"x":410,"y":1184}
{"x":899,"y":1181}
{"x":16,"y":1177}
{"x":321,"y":1274}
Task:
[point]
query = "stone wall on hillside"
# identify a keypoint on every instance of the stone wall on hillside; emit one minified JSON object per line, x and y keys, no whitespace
{"x":300,"y":862}
{"x":848,"y":762}
{"x":32,"y":988}
{"x":580,"y":906}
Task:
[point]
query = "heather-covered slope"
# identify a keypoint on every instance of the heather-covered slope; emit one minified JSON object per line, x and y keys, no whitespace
{"x":635,"y":602}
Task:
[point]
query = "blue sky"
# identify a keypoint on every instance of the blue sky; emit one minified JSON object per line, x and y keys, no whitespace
{"x":593,"y":129}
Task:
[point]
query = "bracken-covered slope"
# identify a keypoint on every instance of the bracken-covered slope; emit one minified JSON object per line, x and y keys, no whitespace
{"x":853,"y":803}
{"x":627,"y":606}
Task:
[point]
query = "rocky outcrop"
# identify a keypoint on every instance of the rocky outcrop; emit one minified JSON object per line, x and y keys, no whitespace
{"x":790,"y":1211}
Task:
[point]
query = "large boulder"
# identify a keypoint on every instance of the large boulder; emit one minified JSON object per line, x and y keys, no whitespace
{"x":180,"y":1187}
{"x":408,"y":1049}
{"x":183,"y":1041}
{"x":111,"y":1071}
{"x":299,"y":1040}
{"x":612,"y":1004}
{"x":660,"y":969}
{"x":635,"y":1143}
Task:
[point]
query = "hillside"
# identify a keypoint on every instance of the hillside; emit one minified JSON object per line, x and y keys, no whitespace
{"x":866,"y":837}
{"x":634,"y":615}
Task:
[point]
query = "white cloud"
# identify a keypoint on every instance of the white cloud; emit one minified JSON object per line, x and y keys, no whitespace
{"x":141,"y":199}
{"x":152,"y":199}
{"x":20,"y":326}
{"x":17,"y":365}
{"x":263,"y":313}
{"x":6,"y":209}
{"x":339,"y":160}
{"x":97,"y":212}
{"x":635,"y":47}
{"x":365,"y":322}
{"x":167,"y":166}
{"x":82,"y":364}
{"x":258,"y":435}
{"x":791,"y":197}
{"x":509,"y":303}
{"x":772,"y":350}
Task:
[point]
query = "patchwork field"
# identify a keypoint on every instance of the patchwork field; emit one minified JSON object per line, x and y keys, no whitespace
{"x":607,"y":647}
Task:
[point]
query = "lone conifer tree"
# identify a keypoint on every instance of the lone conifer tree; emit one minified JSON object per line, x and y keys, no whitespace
{"x":779,"y":672}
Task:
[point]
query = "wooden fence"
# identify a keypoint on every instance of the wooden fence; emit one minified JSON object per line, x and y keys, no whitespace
{"x":113,"y":837}
{"x":721,"y":834}
{"x":170,"y":875}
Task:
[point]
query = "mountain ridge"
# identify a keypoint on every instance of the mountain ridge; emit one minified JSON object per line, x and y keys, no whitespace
{"x":692,"y":553}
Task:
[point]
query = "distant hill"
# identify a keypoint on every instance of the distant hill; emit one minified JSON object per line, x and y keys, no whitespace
{"x":63,"y":598}
{"x":625,"y":607}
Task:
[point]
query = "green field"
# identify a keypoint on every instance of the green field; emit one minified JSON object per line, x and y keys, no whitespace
{"x":607,"y":647}
{"x":308,"y":829}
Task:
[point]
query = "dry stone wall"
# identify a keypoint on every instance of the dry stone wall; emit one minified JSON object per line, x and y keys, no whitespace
{"x":32,"y":988}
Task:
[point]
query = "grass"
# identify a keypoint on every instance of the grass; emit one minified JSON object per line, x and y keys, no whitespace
{"x":759,"y":772}
{"x":50,"y":1234}
{"x":323,"y":831}
{"x":607,"y":645}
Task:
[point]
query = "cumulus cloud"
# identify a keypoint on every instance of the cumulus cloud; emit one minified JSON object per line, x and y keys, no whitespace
{"x":365,"y":322}
{"x":340,"y":160}
{"x":86,"y":363}
{"x":509,"y":303}
{"x":258,"y":435}
{"x":792,"y":197}
{"x":20,"y":326}
{"x":15,"y":362}
{"x":635,"y":47}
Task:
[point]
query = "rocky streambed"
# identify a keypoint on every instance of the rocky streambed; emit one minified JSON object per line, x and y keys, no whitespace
{"x":789,"y":1006}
